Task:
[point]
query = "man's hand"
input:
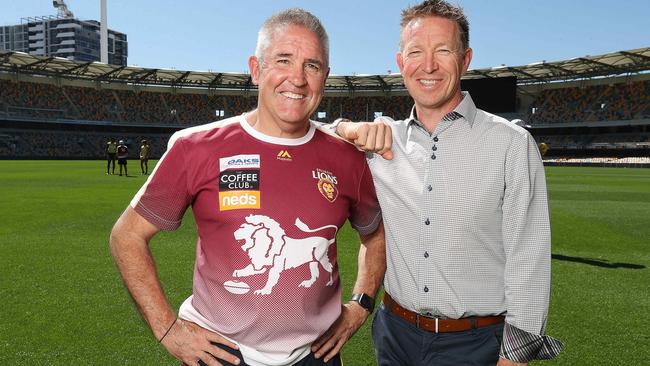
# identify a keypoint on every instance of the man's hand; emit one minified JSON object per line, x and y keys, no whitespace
{"x":374,"y":137}
{"x":190,"y":343}
{"x":330,"y":343}
{"x":506,"y":362}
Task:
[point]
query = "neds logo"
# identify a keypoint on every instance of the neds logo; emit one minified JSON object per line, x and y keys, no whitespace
{"x":234,"y":200}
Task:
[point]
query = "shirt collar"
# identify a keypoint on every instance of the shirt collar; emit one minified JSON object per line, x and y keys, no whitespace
{"x":466,"y":110}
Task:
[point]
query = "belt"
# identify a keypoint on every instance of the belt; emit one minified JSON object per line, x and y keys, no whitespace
{"x":437,"y":325}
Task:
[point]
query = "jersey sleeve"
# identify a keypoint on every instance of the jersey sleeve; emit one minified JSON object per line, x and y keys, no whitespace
{"x":365,"y":214}
{"x":165,"y":196}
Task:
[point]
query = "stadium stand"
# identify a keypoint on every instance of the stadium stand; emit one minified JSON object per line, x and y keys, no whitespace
{"x":592,"y":103}
{"x":43,"y":101}
{"x":30,"y":144}
{"x":588,"y":108}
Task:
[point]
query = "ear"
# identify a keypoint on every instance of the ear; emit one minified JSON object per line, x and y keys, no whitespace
{"x":400,"y":61}
{"x":467,"y":59}
{"x":254,"y":67}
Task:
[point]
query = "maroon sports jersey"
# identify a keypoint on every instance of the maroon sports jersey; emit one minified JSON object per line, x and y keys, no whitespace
{"x":267,"y":212}
{"x":122,"y":152}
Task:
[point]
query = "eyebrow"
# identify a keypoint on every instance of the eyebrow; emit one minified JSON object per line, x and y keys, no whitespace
{"x":314,"y":61}
{"x":438,"y":45}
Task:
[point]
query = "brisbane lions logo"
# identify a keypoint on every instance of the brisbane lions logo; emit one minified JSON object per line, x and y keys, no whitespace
{"x":270,"y":249}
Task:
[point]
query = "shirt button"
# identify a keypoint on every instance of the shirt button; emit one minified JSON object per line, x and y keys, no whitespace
{"x":427,"y":222}
{"x":429,"y":188}
{"x":426,"y":289}
{"x":434,"y":148}
{"x":433,"y":156}
{"x":435,"y":139}
{"x":426,"y":254}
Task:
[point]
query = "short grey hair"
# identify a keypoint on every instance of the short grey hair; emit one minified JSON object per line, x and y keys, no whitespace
{"x":280,"y":21}
{"x":437,"y":8}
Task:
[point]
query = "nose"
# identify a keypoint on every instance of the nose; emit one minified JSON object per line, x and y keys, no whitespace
{"x":297,"y":76}
{"x":430,"y":63}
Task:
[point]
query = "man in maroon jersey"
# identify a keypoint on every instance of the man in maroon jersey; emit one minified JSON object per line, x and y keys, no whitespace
{"x":269,"y":191}
{"x":122,"y":155}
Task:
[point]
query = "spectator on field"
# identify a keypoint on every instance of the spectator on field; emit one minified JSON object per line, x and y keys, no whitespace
{"x":111,"y":154}
{"x":122,"y":156}
{"x":144,"y":157}
{"x":543,"y":148}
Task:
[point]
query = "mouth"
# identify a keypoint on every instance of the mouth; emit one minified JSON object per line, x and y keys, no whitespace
{"x":292,"y":96}
{"x":429,"y":83}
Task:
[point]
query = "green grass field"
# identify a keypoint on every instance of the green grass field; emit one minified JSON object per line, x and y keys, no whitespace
{"x":63,"y":302}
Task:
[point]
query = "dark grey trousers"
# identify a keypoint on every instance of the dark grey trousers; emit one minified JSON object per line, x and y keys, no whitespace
{"x":399,"y":343}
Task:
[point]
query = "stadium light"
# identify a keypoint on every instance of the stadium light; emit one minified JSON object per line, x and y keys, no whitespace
{"x":103,"y":29}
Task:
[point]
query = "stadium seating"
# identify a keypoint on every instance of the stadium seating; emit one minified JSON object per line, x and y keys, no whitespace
{"x":45,"y":101}
{"x":72,"y":145}
{"x":170,"y":110}
{"x":594,"y":103}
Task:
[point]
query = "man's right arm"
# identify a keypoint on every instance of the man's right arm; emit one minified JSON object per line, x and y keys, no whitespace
{"x":375,"y":137}
{"x":185,"y":340}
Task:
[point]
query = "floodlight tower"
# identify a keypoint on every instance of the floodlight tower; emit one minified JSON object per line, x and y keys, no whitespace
{"x":103,"y":34}
{"x":62,"y":9}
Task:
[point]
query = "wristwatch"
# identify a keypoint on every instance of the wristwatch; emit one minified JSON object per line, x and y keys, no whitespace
{"x":335,"y":125}
{"x":366,"y":301}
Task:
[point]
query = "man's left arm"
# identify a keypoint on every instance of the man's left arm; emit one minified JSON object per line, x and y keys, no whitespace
{"x":370,"y":274}
{"x":527,"y":244}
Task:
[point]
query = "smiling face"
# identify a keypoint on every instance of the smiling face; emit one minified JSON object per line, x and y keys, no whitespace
{"x":432,"y":62}
{"x":291,"y":78}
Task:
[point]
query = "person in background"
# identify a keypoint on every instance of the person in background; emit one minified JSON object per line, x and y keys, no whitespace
{"x":543,"y":148}
{"x":144,"y":157}
{"x":111,"y":153}
{"x":122,"y":156}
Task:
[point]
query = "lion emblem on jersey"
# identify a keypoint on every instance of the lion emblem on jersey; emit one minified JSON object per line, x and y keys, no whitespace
{"x":328,"y":190}
{"x":270,"y":249}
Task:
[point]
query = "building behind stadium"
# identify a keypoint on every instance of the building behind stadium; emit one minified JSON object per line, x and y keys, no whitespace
{"x":63,"y":36}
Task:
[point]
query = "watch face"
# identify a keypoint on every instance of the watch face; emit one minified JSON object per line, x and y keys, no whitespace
{"x":364,"y":300}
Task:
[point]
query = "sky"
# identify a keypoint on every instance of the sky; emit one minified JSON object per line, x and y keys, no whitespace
{"x":202,"y":35}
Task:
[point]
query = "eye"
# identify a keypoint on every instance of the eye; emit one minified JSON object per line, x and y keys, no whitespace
{"x":414,"y":53}
{"x":443,"y":52}
{"x":282,"y":61}
{"x":312,"y":67}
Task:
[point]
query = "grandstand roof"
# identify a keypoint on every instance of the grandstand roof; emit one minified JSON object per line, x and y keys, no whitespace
{"x":610,"y":64}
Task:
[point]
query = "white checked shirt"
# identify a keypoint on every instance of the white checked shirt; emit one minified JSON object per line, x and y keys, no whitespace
{"x":467,"y":224}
